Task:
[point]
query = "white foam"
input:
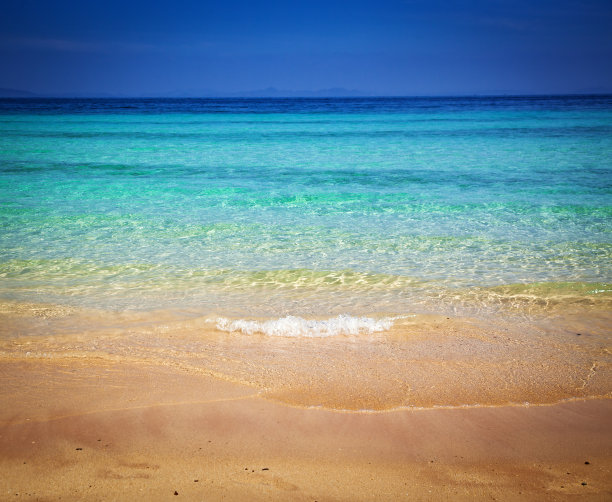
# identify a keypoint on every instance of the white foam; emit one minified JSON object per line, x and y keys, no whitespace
{"x":299,"y":327}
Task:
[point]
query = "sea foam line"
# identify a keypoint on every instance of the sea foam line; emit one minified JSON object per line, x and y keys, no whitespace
{"x":300,"y":327}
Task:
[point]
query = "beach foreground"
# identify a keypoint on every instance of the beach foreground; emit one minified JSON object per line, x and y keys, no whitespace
{"x":433,"y":409}
{"x":306,"y":299}
{"x":154,"y":431}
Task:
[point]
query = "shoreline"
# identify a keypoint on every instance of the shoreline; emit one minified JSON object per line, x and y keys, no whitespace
{"x":121,"y":406}
{"x":416,"y":361}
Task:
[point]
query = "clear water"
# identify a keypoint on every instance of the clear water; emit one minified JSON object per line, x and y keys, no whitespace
{"x":305,"y":207}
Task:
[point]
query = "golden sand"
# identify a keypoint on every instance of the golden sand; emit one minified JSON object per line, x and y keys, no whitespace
{"x":433,"y":409}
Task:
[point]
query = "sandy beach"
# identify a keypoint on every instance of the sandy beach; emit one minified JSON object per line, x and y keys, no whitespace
{"x":152,"y":432}
{"x":234,"y":417}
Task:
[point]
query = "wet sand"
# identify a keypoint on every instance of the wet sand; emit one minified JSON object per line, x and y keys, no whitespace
{"x":432,"y":410}
{"x":422,"y":361}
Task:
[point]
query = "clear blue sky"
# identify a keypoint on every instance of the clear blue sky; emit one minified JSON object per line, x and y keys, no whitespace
{"x":400,"y":47}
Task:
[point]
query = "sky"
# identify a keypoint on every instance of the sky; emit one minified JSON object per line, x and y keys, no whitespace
{"x":380,"y":47}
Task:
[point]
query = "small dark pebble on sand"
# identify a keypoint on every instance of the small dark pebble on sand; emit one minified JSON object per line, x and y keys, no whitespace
{"x":583,"y":483}
{"x":587,"y":463}
{"x":195,"y":480}
{"x":175,"y":492}
{"x":79,"y":448}
{"x":578,"y":334}
{"x":265,"y":469}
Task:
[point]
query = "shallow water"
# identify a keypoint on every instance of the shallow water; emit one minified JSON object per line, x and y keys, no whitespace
{"x":312,"y":208}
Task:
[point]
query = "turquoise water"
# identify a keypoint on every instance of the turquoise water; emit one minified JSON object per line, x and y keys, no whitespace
{"x":305,"y":207}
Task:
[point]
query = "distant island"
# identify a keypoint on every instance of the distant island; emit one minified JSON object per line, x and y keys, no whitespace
{"x":16,"y":93}
{"x":271,"y":92}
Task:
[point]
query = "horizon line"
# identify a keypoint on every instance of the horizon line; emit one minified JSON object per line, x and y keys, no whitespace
{"x":273,"y":92}
{"x":298,"y":96}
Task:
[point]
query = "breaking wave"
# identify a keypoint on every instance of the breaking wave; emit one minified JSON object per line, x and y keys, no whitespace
{"x":300,"y":327}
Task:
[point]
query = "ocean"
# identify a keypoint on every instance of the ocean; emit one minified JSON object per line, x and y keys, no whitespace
{"x":308,"y":216}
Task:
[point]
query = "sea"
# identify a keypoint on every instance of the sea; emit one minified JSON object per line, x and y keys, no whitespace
{"x":308,"y":216}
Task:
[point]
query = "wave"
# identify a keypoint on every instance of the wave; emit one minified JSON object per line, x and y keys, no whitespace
{"x":292,"y":326}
